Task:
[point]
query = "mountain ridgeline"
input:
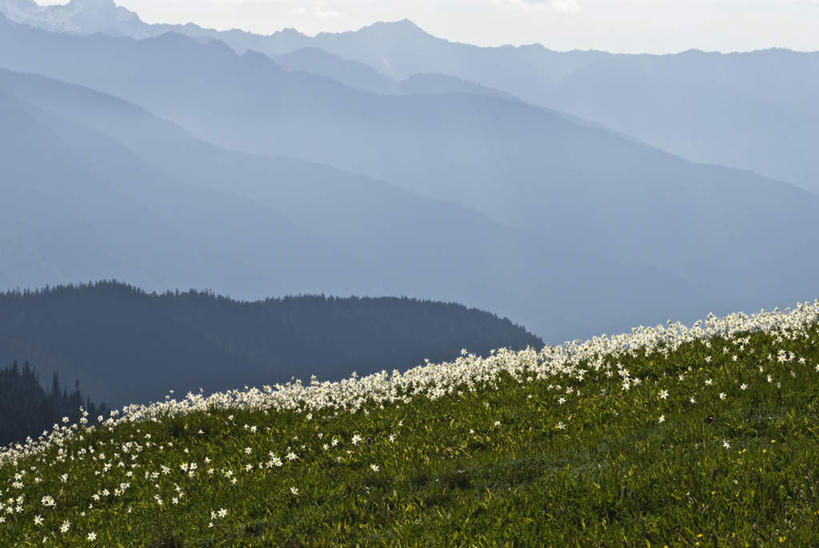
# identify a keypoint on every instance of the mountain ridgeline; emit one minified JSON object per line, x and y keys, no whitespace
{"x":577,"y":193}
{"x":179,"y":212}
{"x":729,"y":109}
{"x":129,"y":346}
{"x":430,"y":195}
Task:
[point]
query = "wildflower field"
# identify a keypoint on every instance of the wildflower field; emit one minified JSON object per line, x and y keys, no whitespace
{"x":682,"y":436}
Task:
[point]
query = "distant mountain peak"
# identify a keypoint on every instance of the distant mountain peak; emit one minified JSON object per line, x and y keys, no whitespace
{"x":103,"y":13}
{"x":403,"y":25}
{"x":405,"y":22}
{"x":289,"y":31}
{"x":78,"y":16}
{"x":402,"y":28}
{"x":93,"y":4}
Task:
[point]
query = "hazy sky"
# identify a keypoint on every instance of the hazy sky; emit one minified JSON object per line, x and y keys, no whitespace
{"x":613,"y":25}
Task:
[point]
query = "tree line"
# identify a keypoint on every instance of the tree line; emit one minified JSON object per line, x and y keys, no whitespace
{"x":27,"y":408}
{"x":132,"y":346}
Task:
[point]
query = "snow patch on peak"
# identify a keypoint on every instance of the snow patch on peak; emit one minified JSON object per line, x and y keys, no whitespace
{"x":78,"y":16}
{"x":19,"y":4}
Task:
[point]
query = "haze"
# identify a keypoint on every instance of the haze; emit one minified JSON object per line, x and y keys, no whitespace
{"x":651,"y":26}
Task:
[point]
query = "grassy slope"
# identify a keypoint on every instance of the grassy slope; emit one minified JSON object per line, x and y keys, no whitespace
{"x":489,"y":466}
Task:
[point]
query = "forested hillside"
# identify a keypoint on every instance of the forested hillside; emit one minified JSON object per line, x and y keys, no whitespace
{"x":27,"y":408}
{"x":129,"y":346}
{"x":670,"y":436}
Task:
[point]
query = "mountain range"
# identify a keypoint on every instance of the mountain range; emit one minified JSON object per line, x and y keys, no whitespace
{"x":753,"y":110}
{"x":235,"y":174}
{"x":443,"y":195}
{"x":746,"y":110}
{"x":126,"y":195}
{"x":76,"y":16}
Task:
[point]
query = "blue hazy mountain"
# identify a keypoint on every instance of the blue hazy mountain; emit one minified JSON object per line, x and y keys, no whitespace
{"x":364,"y":77}
{"x":753,"y":110}
{"x":85,"y":207}
{"x":548,"y":191}
{"x":350,"y":73}
{"x":125,"y":194}
{"x":568,"y":183}
{"x":747,"y":110}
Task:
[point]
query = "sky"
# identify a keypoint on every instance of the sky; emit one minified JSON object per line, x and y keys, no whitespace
{"x":654,"y":26}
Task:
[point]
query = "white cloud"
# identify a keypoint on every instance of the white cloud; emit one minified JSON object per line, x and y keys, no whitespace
{"x":319,"y":10}
{"x":564,"y":6}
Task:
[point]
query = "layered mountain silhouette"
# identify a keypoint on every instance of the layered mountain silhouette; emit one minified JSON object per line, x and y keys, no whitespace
{"x":746,"y":110}
{"x":128,"y":346}
{"x":123,"y":193}
{"x":364,"y":77}
{"x":753,"y":110}
{"x":723,"y":231}
{"x":469,"y":196}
